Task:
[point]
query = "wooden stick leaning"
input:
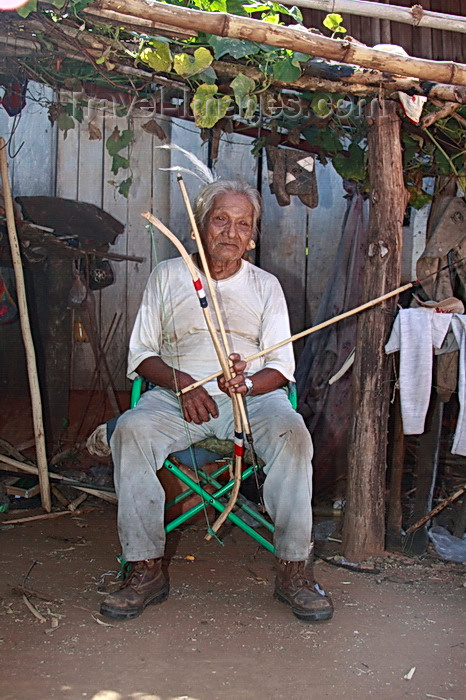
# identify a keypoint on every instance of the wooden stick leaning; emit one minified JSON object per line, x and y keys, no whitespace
{"x":437,"y":509}
{"x":220,"y":354}
{"x":308,"y":331}
{"x":36,"y":402}
{"x":7,"y":462}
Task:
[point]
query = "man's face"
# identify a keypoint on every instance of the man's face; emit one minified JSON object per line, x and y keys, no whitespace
{"x":229,"y":227}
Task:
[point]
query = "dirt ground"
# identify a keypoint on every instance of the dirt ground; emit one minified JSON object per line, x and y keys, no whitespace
{"x":399,"y":633}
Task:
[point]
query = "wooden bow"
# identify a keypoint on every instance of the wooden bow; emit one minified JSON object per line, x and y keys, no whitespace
{"x":223,"y":359}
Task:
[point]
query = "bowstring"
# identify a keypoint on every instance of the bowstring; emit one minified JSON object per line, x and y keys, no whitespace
{"x":173,"y":354}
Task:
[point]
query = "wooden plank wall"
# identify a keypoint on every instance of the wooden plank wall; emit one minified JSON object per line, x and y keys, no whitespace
{"x":297,"y":244}
{"x":417,"y":41}
{"x":31,"y":148}
{"x":84,"y":173}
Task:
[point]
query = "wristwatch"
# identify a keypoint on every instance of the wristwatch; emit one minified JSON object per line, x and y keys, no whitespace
{"x":250,"y":385}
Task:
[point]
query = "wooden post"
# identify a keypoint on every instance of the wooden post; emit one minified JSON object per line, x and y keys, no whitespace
{"x":364,"y":527}
{"x":27,"y":337}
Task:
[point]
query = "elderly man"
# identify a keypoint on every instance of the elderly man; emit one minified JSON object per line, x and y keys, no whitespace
{"x":171,"y":347}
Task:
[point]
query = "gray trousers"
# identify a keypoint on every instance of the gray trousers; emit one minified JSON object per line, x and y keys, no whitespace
{"x":145,"y":435}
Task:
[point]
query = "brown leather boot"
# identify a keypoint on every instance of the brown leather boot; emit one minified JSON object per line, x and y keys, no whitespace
{"x":144,"y":584}
{"x":294,"y":585}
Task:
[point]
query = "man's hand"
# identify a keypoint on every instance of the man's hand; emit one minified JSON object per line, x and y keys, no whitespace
{"x":236,"y":384}
{"x":198,"y":406}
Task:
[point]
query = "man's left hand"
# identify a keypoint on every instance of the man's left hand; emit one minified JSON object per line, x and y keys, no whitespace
{"x":236,"y":384}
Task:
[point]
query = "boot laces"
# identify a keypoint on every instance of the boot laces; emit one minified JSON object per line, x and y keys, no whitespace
{"x":134,"y":572}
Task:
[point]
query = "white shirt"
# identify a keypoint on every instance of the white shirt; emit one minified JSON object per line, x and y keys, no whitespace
{"x":170,"y":322}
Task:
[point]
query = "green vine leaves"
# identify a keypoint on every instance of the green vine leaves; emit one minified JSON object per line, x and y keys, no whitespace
{"x":115,"y":143}
{"x":261,"y":95}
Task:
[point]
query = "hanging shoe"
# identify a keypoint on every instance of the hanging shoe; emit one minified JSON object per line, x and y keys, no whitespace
{"x":145,"y":584}
{"x":295,"y":586}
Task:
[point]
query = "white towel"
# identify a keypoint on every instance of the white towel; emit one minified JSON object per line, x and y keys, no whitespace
{"x":415,"y":333}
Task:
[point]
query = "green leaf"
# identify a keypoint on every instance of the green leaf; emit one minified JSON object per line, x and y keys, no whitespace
{"x":411,"y":147}
{"x":286,"y":71}
{"x":236,"y":7}
{"x":65,"y":123}
{"x":254,"y":7}
{"x":324,"y":138}
{"x":187,"y":65}
{"x":118,"y":162}
{"x":418,"y":198}
{"x":352,"y":166}
{"x":300,"y":57}
{"x":76,"y":111}
{"x":124,"y":186}
{"x":321,"y":104}
{"x":208,"y":76}
{"x":272,"y":18}
{"x":26,"y":9}
{"x":157,"y":56}
{"x":116,"y":141}
{"x":218,"y":6}
{"x":79,"y":5}
{"x":237,"y":48}
{"x":442,"y":163}
{"x":58,"y":3}
{"x":296,"y":13}
{"x":207,"y":108}
{"x":333,"y":22}
{"x":243,"y":87}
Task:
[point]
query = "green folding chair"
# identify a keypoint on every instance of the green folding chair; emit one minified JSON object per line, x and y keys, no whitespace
{"x":201,"y":480}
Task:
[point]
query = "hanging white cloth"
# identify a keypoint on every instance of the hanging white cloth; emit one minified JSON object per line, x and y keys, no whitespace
{"x":415,"y":333}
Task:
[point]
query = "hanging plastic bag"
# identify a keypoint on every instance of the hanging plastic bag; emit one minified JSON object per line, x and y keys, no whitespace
{"x":78,"y":291}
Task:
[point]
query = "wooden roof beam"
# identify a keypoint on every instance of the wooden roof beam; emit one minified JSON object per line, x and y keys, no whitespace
{"x":293,"y":38}
{"x":416,"y":15}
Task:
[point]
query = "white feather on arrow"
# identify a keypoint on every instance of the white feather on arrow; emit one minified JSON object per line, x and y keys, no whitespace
{"x":203,"y":172}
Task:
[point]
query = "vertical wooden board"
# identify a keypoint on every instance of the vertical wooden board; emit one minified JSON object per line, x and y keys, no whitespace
{"x":33,"y":167}
{"x":68,"y":163}
{"x":89,"y":189}
{"x":437,"y":45}
{"x":140,"y":200}
{"x":453,"y":42}
{"x":161,"y":202}
{"x":235,"y":158}
{"x":91,"y":157}
{"x":114,"y":298}
{"x":325,"y":226}
{"x":283,"y":249}
{"x":367,"y":30}
{"x":422,"y":38}
{"x":187,"y":136}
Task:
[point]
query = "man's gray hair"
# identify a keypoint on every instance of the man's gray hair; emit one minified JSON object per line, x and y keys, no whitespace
{"x":205,"y":199}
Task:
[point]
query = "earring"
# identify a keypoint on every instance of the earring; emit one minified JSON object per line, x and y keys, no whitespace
{"x":251,"y":245}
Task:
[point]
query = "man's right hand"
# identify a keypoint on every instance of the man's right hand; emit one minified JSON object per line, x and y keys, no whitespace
{"x":198,"y":406}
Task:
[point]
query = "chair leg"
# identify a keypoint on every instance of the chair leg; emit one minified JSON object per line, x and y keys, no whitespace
{"x":212,"y":500}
